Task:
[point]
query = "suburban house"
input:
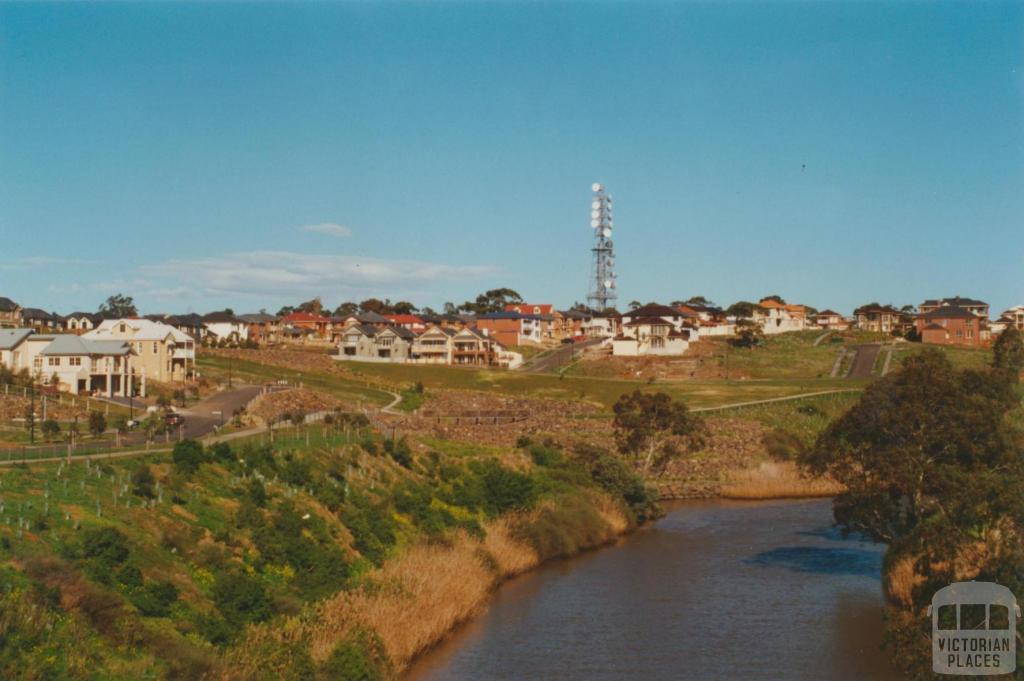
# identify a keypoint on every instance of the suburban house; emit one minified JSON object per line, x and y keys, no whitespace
{"x":318,"y":324}
{"x":470,"y":346}
{"x":10,"y":344}
{"x":830,"y":320}
{"x":10,"y":314}
{"x":775,"y":317}
{"x":162,"y":352}
{"x":84,"y":366}
{"x":445,"y":321}
{"x":511,"y":328}
{"x":190,"y":324}
{"x":652,"y":336}
{"x":80,"y":322}
{"x":226,"y":327}
{"x":951,"y":325}
{"x":878,"y":318}
{"x":545,"y":312}
{"x":433,"y":346}
{"x":407,"y":321}
{"x":709,"y":321}
{"x":668,"y":314}
{"x":1013,"y":317}
{"x":365,"y":343}
{"x":603,"y":325}
{"x":572,"y":323}
{"x":976,"y":307}
{"x":261,"y":327}
{"x":40,"y":320}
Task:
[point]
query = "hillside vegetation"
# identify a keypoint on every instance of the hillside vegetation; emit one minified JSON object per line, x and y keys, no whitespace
{"x":340,"y":559}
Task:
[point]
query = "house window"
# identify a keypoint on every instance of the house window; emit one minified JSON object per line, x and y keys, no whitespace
{"x":123,"y":328}
{"x":657,"y":342}
{"x":154,"y":347}
{"x":75,"y":361}
{"x":53,"y":361}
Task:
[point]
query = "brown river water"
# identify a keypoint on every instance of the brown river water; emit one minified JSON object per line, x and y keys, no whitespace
{"x":716,"y":590}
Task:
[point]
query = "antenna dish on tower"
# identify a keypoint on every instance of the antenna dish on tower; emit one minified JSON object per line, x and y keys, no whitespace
{"x":602,"y":294}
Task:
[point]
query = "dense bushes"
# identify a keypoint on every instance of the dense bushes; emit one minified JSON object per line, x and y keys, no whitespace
{"x":241,"y":598}
{"x":373,"y":529}
{"x":360,"y":657}
{"x":783,"y":445}
{"x":187,"y":456}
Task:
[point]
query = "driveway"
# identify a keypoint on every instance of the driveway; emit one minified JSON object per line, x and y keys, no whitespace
{"x":864,"y":362}
{"x":202,"y":417}
{"x":556,"y":359}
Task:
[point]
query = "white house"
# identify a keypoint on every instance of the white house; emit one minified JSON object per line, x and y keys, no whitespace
{"x":226,"y":327}
{"x":650,"y":336}
{"x":11,"y":342}
{"x":774,"y":317}
{"x":84,"y":366}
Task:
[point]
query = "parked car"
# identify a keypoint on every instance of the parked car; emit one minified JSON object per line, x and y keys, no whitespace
{"x":174,"y":419}
{"x":568,"y":341}
{"x":133,"y":424}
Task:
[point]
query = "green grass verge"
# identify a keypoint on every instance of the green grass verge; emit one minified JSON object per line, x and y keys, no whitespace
{"x":350,"y":390}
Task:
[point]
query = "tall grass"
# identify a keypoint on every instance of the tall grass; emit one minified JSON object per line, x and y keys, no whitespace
{"x":416,"y":599}
{"x":777,"y":480}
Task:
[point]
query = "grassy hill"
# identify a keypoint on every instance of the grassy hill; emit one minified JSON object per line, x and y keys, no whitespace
{"x":228,"y":562}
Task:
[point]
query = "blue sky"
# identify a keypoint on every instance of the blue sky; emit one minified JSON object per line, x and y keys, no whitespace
{"x":197,"y":156}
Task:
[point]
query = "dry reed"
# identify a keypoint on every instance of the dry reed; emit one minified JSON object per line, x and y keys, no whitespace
{"x":777,"y":480}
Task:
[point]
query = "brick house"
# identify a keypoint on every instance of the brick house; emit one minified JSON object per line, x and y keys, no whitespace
{"x":511,"y":328}
{"x":977,"y":307}
{"x":318,"y":325}
{"x":263,"y":328}
{"x":950,"y":325}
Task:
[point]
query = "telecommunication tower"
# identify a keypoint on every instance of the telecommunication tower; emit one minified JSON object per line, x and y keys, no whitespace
{"x":602,"y":276}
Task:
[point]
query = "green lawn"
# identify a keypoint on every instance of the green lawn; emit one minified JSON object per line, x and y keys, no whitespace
{"x":961,"y":357}
{"x":600,"y":391}
{"x":350,"y":390}
{"x":787,"y":355}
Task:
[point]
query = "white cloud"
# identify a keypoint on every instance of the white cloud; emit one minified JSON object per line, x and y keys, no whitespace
{"x":277,"y":274}
{"x":328,"y":228}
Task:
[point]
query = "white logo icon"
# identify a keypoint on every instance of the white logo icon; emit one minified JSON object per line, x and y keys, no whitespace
{"x":974,"y":629}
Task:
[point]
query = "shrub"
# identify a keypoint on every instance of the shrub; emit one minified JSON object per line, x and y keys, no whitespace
{"x":155,"y":598}
{"x":50,"y":429}
{"x":400,"y":452}
{"x":241,"y":598}
{"x":221,"y":452}
{"x":143,"y":481}
{"x":297,"y":472}
{"x":614,"y":476}
{"x":188,"y":455}
{"x":372,"y":527}
{"x":507,"y":490}
{"x":523,"y":441}
{"x":543,"y":455}
{"x":359,"y":657}
{"x":257,"y":493}
{"x":565,"y":528}
{"x":105,"y":544}
{"x":783,"y":445}
{"x":97,"y":423}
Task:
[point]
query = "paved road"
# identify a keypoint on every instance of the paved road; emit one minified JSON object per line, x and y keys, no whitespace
{"x":864,"y":362}
{"x":201,"y":419}
{"x":556,"y":359}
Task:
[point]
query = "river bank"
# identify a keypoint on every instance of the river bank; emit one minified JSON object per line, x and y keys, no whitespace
{"x":417,"y":600}
{"x":716,"y":589}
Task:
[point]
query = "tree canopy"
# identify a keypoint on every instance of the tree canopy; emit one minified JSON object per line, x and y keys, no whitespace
{"x":654,"y":429}
{"x":1008,"y":352}
{"x":493,"y":300}
{"x":118,"y":306}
